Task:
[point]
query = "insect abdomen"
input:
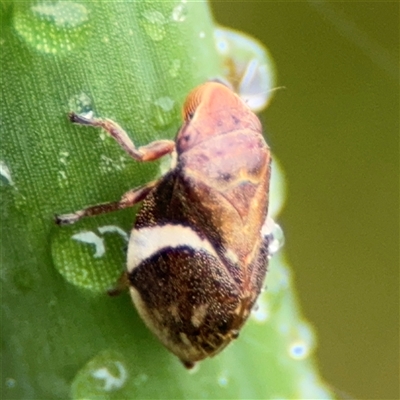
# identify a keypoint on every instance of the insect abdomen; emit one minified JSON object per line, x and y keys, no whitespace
{"x":183,"y":292}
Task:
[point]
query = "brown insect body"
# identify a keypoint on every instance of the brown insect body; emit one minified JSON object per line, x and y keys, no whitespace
{"x":198,"y":252}
{"x":193,"y":299}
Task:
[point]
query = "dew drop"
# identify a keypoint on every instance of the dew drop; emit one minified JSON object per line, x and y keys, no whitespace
{"x":52,"y":28}
{"x":274,"y":233}
{"x":104,"y":374}
{"x":302,"y":341}
{"x":165,"y":103}
{"x":92,"y":257}
{"x":81,"y":104}
{"x":278,"y":239}
{"x":179,"y":12}
{"x":62,"y":14}
{"x":153,"y":22}
{"x":164,"y":111}
{"x":11,"y":383}
{"x":248,"y":66}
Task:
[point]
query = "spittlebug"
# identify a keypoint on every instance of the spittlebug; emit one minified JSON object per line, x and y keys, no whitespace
{"x":198,"y":251}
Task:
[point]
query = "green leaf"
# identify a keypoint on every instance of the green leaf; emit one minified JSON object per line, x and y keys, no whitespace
{"x":133,"y":62}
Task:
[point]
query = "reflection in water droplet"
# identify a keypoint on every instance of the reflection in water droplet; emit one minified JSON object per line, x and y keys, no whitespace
{"x":114,"y":229}
{"x":52,"y":28}
{"x":111,"y":382}
{"x":274,"y":233}
{"x":153,"y":22}
{"x":302,"y":341}
{"x":81,"y":104}
{"x":91,"y":238}
{"x":278,"y":239}
{"x":62,"y":14}
{"x":89,"y":259}
{"x":179,"y":12}
{"x":249,"y":67}
{"x":298,"y":350}
{"x":5,"y":174}
{"x":105,"y":373}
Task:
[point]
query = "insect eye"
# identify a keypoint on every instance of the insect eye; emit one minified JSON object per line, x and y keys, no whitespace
{"x":190,"y":108}
{"x":192,"y":102}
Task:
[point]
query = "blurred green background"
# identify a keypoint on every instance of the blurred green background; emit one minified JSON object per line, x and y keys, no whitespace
{"x":336,"y":131}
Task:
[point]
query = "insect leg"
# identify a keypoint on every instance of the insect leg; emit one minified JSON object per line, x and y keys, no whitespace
{"x":129,"y":199}
{"x":150,"y":152}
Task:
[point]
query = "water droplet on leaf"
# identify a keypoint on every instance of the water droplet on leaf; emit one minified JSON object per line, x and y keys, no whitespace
{"x":52,"y":28}
{"x":90,"y":257}
{"x":103,"y":375}
{"x":179,"y":12}
{"x":248,"y":66}
{"x":164,"y":112}
{"x":11,"y":383}
{"x":81,"y":104}
{"x":302,"y":341}
{"x":165,"y":103}
{"x":277,"y":241}
{"x":153,"y":22}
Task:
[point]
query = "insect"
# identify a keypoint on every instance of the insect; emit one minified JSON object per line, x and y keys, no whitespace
{"x":198,"y":251}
